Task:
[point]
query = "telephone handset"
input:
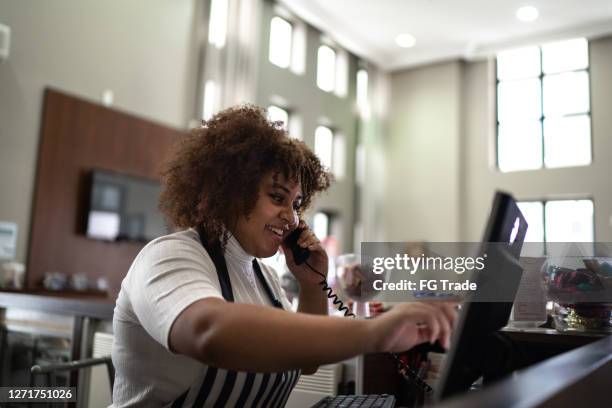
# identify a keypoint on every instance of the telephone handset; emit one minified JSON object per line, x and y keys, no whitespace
{"x":300,"y":255}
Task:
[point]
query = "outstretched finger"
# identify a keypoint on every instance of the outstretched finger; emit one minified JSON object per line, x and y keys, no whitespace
{"x":450,"y":311}
{"x":432,"y":323}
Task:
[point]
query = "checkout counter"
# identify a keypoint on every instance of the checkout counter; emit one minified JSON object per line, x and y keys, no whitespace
{"x":550,"y":369}
{"x":554,"y":369}
{"x":578,"y":378}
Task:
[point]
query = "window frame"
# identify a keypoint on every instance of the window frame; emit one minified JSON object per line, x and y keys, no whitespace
{"x":331,"y":162}
{"x":330,"y":219}
{"x":543,"y":117}
{"x":362,"y":94}
{"x":291,"y":42}
{"x":288,"y":111}
{"x":216,"y":38}
{"x":332,"y":89}
{"x":544,"y":221}
{"x":210,"y":99}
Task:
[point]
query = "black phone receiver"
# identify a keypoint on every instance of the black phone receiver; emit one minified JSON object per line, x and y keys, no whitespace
{"x":300,"y":255}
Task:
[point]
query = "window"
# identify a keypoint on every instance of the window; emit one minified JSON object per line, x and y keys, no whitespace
{"x":326,"y":68}
{"x":339,"y":156}
{"x":533,"y":211}
{"x":278,"y":114}
{"x":362,"y":93}
{"x":534,"y":214}
{"x":543,"y":108}
{"x":559,"y":220}
{"x":333,"y":70}
{"x":217,"y":26}
{"x":210,"y":99}
{"x":295,"y":126}
{"x":341,"y":81}
{"x":281,"y":32}
{"x":569,"y":221}
{"x":292,"y":120}
{"x":324,"y":145}
{"x":320,"y":225}
{"x":331,"y":150}
{"x":330,"y":147}
{"x":287,"y":46}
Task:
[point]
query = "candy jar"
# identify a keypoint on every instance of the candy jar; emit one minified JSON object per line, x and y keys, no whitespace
{"x":581,"y":291}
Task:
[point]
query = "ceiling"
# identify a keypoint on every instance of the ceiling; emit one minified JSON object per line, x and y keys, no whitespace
{"x":448,"y":29}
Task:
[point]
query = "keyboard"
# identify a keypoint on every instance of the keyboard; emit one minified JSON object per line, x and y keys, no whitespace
{"x":361,"y":401}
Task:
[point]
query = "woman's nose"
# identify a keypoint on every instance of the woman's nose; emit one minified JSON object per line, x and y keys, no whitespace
{"x":289,"y":216}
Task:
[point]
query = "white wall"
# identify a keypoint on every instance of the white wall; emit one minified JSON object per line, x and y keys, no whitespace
{"x":423,"y":154}
{"x":144,"y":50}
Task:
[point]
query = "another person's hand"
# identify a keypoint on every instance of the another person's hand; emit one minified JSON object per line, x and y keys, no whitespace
{"x":318,"y":258}
{"x":409,"y":324}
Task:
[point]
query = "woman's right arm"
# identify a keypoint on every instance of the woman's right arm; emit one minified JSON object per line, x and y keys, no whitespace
{"x":244,"y":337}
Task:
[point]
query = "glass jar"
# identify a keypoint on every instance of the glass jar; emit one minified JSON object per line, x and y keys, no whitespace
{"x":355,"y":281}
{"x":581,"y":291}
{"x":591,"y":317}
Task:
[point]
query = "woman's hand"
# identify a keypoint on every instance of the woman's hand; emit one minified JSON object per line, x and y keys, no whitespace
{"x":318,"y":258}
{"x":409,"y":324}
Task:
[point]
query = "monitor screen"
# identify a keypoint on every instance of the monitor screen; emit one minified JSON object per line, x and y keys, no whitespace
{"x":479,"y":321}
{"x":123,"y":208}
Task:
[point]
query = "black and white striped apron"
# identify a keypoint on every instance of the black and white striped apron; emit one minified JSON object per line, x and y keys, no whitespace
{"x":217,"y":387}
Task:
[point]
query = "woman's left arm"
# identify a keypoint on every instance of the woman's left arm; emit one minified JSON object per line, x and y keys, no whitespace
{"x":312,"y":297}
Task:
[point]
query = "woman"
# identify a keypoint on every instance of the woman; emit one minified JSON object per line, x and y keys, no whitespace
{"x":193,"y":322}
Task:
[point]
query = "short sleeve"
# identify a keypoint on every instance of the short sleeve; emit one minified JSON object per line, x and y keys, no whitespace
{"x":170,"y":274}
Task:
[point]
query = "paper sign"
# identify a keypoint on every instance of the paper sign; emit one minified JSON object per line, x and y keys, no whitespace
{"x":530,"y":301}
{"x":8,"y":240}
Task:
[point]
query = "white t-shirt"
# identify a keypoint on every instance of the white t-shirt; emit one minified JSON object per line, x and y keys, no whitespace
{"x":168,"y":275}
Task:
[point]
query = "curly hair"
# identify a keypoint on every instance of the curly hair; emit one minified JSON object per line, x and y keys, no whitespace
{"x":214,"y":176}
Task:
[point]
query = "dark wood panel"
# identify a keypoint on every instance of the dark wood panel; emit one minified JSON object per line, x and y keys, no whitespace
{"x":76,"y":137}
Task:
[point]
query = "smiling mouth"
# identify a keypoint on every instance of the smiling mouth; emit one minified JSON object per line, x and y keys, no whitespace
{"x":279,"y":232}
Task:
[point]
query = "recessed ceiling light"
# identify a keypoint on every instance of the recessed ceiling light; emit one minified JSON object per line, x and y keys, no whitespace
{"x":405,"y":40}
{"x":527,"y":14}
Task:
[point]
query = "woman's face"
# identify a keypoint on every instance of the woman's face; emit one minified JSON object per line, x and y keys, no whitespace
{"x":262,"y":231}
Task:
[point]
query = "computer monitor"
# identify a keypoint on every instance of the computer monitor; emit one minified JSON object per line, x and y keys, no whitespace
{"x":478,"y":321}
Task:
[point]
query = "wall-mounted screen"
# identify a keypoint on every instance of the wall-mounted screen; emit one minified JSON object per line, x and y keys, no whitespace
{"x":123,"y":208}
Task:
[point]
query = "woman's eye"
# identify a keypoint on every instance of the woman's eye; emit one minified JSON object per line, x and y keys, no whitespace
{"x":277,"y":198}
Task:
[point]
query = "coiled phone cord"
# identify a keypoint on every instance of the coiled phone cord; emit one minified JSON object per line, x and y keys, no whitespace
{"x":330,"y":293}
{"x":402,"y":368}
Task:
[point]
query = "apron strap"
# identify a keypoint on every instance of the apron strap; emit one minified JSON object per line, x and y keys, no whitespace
{"x":216,"y":254}
{"x":275,"y":302}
